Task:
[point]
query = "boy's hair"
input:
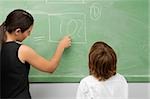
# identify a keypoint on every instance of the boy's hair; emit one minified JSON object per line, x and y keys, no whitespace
{"x":102,"y":61}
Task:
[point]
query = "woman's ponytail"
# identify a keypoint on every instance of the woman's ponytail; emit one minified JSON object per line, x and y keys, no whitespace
{"x":2,"y":33}
{"x":2,"y":39}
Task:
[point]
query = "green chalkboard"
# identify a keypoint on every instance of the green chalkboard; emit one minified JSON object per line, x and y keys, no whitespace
{"x":123,"y":24}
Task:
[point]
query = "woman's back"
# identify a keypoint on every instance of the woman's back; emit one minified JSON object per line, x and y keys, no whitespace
{"x":14,"y":73}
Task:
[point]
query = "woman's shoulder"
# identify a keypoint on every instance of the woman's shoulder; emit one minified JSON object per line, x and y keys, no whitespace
{"x":25,"y":48}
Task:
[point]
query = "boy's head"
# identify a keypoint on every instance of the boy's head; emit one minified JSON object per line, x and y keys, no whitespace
{"x":102,"y":61}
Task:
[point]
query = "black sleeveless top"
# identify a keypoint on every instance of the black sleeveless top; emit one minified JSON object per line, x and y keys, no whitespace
{"x":14,"y":73}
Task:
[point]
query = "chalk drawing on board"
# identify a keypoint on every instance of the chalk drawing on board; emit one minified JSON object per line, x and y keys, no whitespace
{"x":52,"y":1}
{"x":95,"y":11}
{"x":73,"y":24}
{"x":41,"y":26}
{"x":65,"y":1}
{"x":39,"y":38}
{"x":38,"y":12}
{"x":73,"y":27}
{"x":36,"y":0}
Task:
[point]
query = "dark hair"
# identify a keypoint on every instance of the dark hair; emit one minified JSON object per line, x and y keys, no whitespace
{"x":16,"y":19}
{"x":102,"y":61}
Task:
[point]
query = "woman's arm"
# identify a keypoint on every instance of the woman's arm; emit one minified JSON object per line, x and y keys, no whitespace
{"x":29,"y":55}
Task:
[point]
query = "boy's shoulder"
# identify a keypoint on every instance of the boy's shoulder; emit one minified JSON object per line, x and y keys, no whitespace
{"x":92,"y":79}
{"x":89,"y":79}
{"x":120,"y":76}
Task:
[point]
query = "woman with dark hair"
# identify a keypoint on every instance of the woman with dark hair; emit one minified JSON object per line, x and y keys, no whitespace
{"x":103,"y":82}
{"x":16,"y":58}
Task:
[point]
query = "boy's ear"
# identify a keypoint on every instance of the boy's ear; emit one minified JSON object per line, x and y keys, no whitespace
{"x":17,"y":31}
